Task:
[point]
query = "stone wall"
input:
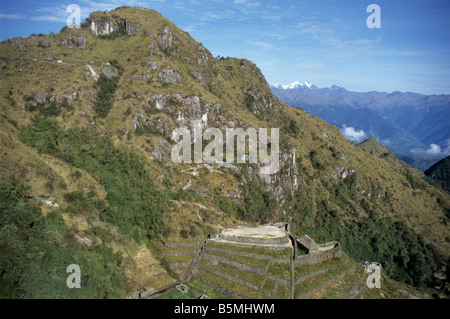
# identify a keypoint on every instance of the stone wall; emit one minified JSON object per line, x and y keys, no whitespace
{"x":277,"y":260}
{"x":328,"y":246}
{"x":217,"y":259}
{"x":319,"y":256}
{"x":253,"y":240}
{"x":251,"y":245}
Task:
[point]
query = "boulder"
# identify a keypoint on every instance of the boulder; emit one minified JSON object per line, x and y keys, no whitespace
{"x":150,"y":33}
{"x":139,"y":77}
{"x":36,"y":97}
{"x":152,"y":66}
{"x":160,"y":125}
{"x":203,"y":60}
{"x":170,"y":76}
{"x":44,"y":43}
{"x":109,"y":72}
{"x":101,"y":25}
{"x":86,"y":241}
{"x":75,"y":38}
{"x":199,"y":76}
{"x":92,"y":72}
{"x":165,"y":39}
{"x":17,"y":43}
{"x":157,"y":101}
{"x":132,"y":27}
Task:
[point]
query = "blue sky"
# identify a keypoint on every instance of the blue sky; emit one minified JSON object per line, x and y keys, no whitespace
{"x":325,"y":42}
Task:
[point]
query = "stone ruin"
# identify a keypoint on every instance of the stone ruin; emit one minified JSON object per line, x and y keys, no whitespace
{"x":266,"y":235}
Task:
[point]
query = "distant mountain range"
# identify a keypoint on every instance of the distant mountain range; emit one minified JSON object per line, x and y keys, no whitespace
{"x":415,"y":127}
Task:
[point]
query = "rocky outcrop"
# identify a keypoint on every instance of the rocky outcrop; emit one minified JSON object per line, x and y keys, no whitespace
{"x":16,"y":42}
{"x":139,"y":77}
{"x":150,"y":33}
{"x":341,"y":173}
{"x":200,"y":77}
{"x":260,"y":104}
{"x":68,"y":97}
{"x":158,"y":101}
{"x":165,"y":39}
{"x":132,"y":27}
{"x":194,"y":108}
{"x":44,"y":43}
{"x":203,"y":61}
{"x":161,"y":151}
{"x":101,"y":25}
{"x":86,"y":241}
{"x":152,"y":65}
{"x":75,"y":38}
{"x":288,"y":176}
{"x":92,"y":72}
{"x":160,"y":125}
{"x":49,"y":201}
{"x":170,"y":76}
{"x":109,"y":72}
{"x":190,"y":107}
{"x":36,"y":98}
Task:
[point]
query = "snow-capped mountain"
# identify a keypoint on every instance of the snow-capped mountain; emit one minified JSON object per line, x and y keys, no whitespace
{"x":295,"y":85}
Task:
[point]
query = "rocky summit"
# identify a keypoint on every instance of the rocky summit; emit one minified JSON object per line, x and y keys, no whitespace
{"x":87,"y":177}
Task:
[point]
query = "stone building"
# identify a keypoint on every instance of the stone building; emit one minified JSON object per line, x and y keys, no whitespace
{"x":307,"y":244}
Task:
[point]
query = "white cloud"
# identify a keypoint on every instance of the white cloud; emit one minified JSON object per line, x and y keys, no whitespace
{"x":353,"y":135}
{"x":247,"y":3}
{"x":51,"y":14}
{"x":328,"y":35}
{"x":59,"y":13}
{"x":434,"y":150}
{"x":261,"y":44}
{"x":9,"y":16}
{"x":188,"y":28}
{"x":210,"y":16}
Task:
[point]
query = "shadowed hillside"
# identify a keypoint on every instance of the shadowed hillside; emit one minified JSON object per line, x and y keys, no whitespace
{"x":439,"y":174}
